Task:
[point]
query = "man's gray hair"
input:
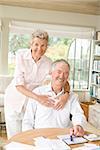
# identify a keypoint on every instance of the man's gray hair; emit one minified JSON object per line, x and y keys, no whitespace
{"x":40,"y":34}
{"x":58,"y":61}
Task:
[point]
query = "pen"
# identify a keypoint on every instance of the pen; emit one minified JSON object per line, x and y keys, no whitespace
{"x":71,"y":137}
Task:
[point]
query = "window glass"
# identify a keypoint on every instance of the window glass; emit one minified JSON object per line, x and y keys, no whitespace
{"x":16,"y":41}
{"x":76,"y":51}
{"x":79,"y":58}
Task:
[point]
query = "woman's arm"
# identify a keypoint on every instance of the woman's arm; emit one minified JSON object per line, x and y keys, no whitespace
{"x":20,"y":83}
{"x":43,"y":99}
{"x":67,"y":87}
{"x":64,"y":98}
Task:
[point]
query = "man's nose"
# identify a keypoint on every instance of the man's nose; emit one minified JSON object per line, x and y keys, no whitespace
{"x":61,"y":74}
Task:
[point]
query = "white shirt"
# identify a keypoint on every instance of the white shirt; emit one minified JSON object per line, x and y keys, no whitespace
{"x":39,"y":116}
{"x":27,"y":73}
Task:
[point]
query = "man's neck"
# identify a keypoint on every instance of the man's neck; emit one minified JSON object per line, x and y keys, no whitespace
{"x":56,"y":89}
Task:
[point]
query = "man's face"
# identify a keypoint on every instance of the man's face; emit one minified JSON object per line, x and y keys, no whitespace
{"x":38,"y":47}
{"x":60,"y":74}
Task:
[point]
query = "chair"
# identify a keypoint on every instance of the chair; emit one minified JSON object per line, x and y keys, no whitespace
{"x":4,"y":81}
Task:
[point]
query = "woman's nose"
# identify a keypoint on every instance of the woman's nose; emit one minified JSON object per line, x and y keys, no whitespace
{"x":38,"y":47}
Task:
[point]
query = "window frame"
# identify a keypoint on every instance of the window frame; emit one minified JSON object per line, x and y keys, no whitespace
{"x":61,"y":30}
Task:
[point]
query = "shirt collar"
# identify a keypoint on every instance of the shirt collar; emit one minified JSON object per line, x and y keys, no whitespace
{"x":28,"y":56}
{"x":52,"y":93}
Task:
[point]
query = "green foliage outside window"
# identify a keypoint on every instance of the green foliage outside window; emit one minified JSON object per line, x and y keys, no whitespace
{"x":17,"y":42}
{"x":58,"y":48}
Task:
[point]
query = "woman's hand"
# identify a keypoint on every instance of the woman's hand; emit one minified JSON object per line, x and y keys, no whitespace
{"x":60,"y":103}
{"x":77,"y":131}
{"x":46,"y":100}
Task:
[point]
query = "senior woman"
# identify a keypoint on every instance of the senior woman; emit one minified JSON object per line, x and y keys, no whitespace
{"x":32,"y":67}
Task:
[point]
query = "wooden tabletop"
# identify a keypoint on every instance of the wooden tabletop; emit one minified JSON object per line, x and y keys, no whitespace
{"x":27,"y":137}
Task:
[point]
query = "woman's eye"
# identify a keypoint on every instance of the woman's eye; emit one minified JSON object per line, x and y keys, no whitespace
{"x":36,"y":44}
{"x":43,"y":46}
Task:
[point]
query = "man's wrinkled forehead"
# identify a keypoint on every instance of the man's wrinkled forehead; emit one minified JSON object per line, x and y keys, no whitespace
{"x":62,"y":65}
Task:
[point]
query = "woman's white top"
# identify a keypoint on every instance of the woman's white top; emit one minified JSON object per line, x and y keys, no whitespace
{"x":27,"y":73}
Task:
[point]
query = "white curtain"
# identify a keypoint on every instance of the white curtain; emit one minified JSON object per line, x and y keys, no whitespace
{"x":53,"y":30}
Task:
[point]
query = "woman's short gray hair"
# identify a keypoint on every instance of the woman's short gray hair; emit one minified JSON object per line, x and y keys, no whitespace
{"x":58,"y":61}
{"x":40,"y":34}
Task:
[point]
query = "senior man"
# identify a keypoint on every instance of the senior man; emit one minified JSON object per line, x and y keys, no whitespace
{"x":39,"y":116}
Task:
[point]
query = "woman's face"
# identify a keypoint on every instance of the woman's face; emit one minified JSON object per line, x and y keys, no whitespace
{"x":38,"y":47}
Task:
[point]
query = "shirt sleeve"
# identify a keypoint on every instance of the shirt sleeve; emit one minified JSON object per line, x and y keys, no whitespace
{"x":78,"y":117}
{"x":28,"y":121}
{"x":29,"y":117}
{"x":19,"y":69}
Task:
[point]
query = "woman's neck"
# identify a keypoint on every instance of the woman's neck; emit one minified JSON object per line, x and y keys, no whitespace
{"x":36,"y":59}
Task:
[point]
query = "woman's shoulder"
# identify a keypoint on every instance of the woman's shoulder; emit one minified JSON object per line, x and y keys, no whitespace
{"x":22,"y":51}
{"x":47,"y":59}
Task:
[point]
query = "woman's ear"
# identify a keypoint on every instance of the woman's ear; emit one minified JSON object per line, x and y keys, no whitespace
{"x":30,"y":43}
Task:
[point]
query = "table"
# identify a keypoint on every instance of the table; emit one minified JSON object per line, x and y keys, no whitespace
{"x":27,"y":136}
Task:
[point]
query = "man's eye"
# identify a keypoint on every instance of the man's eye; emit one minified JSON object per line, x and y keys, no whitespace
{"x":59,"y":71}
{"x":36,"y":44}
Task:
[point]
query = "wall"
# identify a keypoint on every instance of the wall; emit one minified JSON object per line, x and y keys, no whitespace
{"x":98,"y":23}
{"x":52,"y":17}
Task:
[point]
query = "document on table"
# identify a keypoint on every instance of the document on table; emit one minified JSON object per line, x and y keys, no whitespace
{"x":18,"y":146}
{"x":76,"y":140}
{"x":92,"y":137}
{"x":88,"y":146}
{"x":52,"y":144}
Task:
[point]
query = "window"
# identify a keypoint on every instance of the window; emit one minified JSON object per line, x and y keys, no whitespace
{"x":16,"y":41}
{"x":79,"y":58}
{"x":64,"y":42}
{"x":0,"y":51}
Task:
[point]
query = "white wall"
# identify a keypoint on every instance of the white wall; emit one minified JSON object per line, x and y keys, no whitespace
{"x":52,"y":17}
{"x":98,"y":23}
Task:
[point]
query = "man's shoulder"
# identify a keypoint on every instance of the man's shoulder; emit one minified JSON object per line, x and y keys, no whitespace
{"x":74,"y":96}
{"x":41,"y":89}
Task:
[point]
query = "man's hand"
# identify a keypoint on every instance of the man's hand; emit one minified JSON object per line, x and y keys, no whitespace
{"x":60,"y":103}
{"x":77,"y":131}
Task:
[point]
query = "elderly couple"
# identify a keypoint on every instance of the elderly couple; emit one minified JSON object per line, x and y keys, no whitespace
{"x":29,"y":104}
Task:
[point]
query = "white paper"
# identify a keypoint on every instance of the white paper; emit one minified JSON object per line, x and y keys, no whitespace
{"x":52,"y":144}
{"x":88,"y":146}
{"x":92,"y":137}
{"x":18,"y":146}
{"x":76,"y":140}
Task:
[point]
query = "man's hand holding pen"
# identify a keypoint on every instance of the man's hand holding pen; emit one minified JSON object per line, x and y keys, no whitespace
{"x":71,"y":137}
{"x":76,"y":131}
